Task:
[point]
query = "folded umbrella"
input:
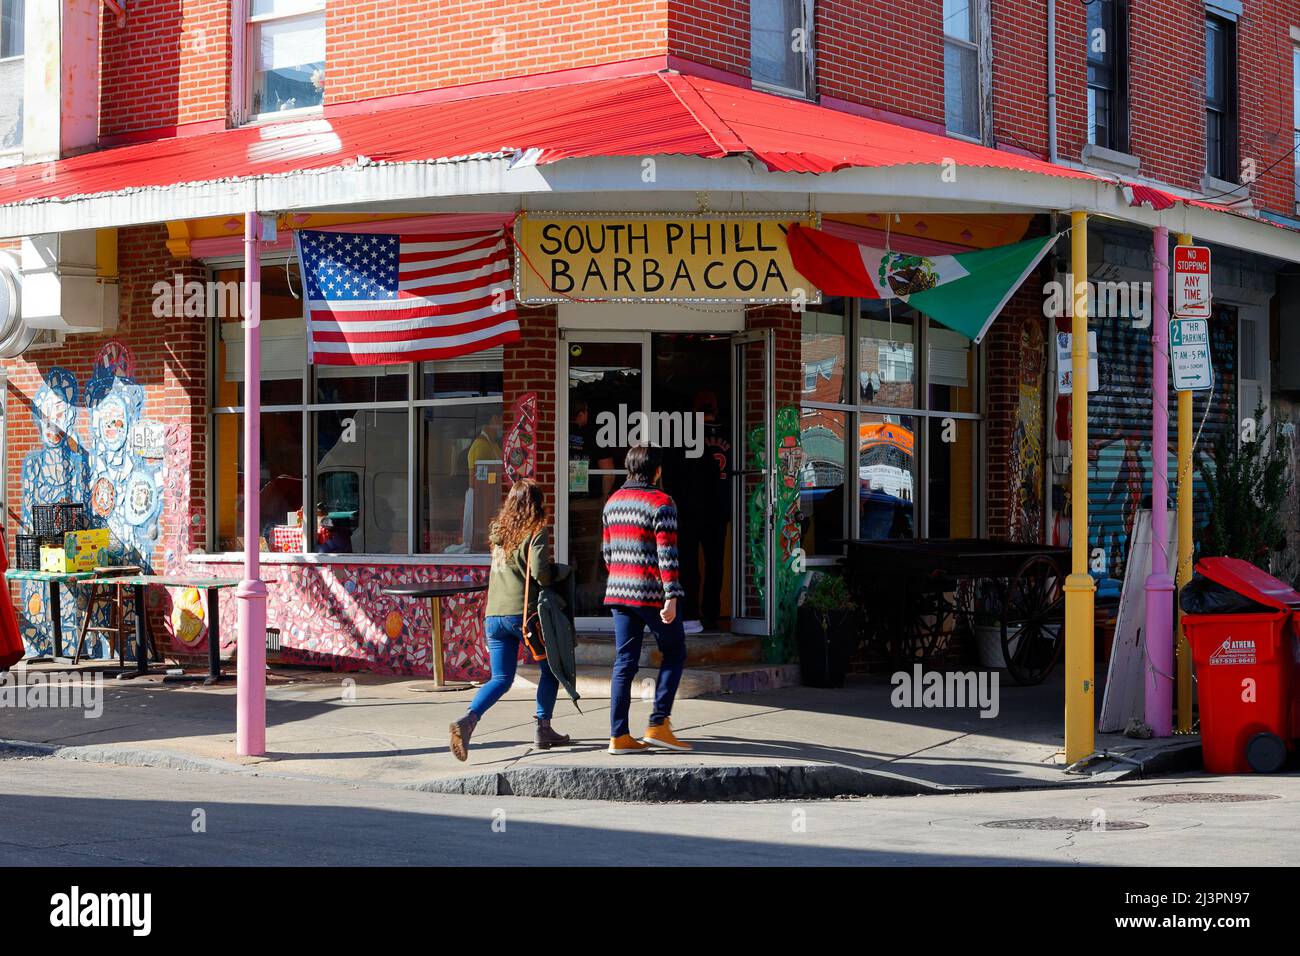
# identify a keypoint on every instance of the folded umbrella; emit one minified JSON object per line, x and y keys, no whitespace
{"x":11,"y":641}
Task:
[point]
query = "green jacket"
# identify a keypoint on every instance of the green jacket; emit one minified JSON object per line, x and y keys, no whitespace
{"x":505,"y":594}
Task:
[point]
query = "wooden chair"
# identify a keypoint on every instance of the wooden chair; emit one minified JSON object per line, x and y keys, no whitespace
{"x":105,"y":593}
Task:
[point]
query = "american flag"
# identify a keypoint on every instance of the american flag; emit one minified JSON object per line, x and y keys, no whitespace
{"x":377,"y":299}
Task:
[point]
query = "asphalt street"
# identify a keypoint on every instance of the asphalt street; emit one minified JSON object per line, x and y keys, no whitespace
{"x":64,"y":812}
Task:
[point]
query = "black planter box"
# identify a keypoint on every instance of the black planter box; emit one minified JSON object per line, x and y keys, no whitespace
{"x":826,"y":643}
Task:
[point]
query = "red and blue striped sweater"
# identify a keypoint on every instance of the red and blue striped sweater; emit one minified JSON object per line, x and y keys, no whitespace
{"x":639,"y":544}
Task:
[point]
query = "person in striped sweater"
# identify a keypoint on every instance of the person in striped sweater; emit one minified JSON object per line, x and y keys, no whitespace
{"x":639,"y":545}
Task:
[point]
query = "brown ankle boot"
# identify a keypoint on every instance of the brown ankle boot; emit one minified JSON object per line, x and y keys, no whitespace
{"x":461,"y":731}
{"x":545,"y":738}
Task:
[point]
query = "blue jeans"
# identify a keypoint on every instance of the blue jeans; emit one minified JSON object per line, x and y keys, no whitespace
{"x":504,"y":634}
{"x":629,"y":631}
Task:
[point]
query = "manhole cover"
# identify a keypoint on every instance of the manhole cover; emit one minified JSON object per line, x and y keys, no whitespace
{"x":1062,"y":823}
{"x":1207,"y":797}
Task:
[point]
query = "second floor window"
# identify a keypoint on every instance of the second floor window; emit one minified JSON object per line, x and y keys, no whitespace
{"x":11,"y":75}
{"x":1107,"y":56}
{"x":961,"y":69}
{"x":286,"y":55}
{"x":1295,"y":117}
{"x":781,"y":44}
{"x":1220,"y":99}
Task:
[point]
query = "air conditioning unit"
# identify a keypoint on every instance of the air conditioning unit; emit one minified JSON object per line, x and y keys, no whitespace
{"x":15,"y":336}
{"x":63,"y":288}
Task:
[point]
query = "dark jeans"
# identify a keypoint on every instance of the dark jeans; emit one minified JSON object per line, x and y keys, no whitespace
{"x":629,"y":631}
{"x":705,"y":531}
{"x":504,"y":632}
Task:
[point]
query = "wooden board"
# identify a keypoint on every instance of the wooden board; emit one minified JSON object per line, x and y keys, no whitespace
{"x":1125,"y":693}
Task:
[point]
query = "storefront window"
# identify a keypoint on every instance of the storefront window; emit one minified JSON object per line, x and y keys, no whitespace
{"x":950,"y":483}
{"x":950,"y":370}
{"x":460,"y":476}
{"x":472,"y":376}
{"x":887,"y":356}
{"x":361,"y":504}
{"x":915,"y":409}
{"x":280,"y":480}
{"x":346,"y":434}
{"x":374,"y":383}
{"x":824,"y":352}
{"x":822,"y":434}
{"x":887,"y":472}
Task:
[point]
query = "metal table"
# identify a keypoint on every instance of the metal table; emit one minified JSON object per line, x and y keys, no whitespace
{"x":54,"y":581}
{"x":211,"y":586}
{"x":435,"y":591}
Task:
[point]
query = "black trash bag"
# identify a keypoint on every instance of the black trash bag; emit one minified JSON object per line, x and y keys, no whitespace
{"x":1203,"y":596}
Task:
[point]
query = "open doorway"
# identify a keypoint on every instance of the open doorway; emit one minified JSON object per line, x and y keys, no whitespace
{"x":682,"y":377}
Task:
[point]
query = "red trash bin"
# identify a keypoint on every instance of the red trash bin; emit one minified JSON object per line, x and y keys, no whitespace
{"x":1246,"y":671}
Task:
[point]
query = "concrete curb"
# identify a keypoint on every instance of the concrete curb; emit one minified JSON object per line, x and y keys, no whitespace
{"x":682,"y":784}
{"x":645,"y":784}
{"x":125,"y":757}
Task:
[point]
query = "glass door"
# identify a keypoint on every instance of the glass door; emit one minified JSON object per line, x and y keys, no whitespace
{"x":754,"y":482}
{"x":605,"y":382}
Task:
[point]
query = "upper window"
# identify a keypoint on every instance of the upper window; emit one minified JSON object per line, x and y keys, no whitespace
{"x":285,"y":54}
{"x":781,"y":44}
{"x":1220,"y":99}
{"x":1295,"y":116}
{"x":11,"y":74}
{"x":961,"y":70}
{"x":1107,"y":76}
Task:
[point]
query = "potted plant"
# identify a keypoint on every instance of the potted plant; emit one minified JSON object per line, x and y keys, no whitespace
{"x":827,"y":631}
{"x":1247,"y":484}
{"x":987,"y":625}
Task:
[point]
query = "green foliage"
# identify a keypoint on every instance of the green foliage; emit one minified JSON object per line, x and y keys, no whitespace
{"x":829,"y":592}
{"x":1247,"y":484}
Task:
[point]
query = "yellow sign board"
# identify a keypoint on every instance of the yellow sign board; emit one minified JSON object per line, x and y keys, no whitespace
{"x":659,"y":258}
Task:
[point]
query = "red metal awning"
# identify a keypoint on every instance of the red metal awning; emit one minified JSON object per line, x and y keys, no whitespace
{"x":647,"y":115}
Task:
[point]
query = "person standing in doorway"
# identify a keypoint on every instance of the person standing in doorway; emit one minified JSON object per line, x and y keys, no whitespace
{"x":704,"y":510}
{"x":639,"y":545}
{"x":519,"y":546}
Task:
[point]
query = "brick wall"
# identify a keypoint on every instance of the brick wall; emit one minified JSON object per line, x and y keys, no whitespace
{"x":885,"y":55}
{"x":379,"y":48}
{"x":1014,"y":350}
{"x":711,"y":32}
{"x":170,"y":361}
{"x":529,"y":366}
{"x":170,"y":65}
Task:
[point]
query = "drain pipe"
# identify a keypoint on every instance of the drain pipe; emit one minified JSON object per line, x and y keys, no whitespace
{"x":1051,"y":81}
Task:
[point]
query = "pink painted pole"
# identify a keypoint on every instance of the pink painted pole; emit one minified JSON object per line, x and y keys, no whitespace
{"x":250,"y":721}
{"x":1158,"y":630}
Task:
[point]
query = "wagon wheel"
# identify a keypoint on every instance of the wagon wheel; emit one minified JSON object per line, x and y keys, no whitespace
{"x":1033,"y":620}
{"x":921,"y":629}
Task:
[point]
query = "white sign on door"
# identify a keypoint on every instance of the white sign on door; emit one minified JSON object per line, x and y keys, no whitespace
{"x":1189,"y":351}
{"x":1192,"y":282}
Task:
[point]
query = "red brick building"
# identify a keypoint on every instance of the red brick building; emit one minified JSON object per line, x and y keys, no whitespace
{"x":972,"y":131}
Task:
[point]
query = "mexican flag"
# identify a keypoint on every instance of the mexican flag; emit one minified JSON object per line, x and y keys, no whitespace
{"x":965,"y":292}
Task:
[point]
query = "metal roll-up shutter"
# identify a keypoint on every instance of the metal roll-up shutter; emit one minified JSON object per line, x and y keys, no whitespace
{"x":1119,"y":430}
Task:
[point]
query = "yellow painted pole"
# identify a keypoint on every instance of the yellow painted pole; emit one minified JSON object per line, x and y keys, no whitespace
{"x":1080,"y":722}
{"x":1184,"y":681}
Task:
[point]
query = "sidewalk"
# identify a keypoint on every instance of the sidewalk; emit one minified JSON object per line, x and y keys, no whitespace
{"x":794,"y":742}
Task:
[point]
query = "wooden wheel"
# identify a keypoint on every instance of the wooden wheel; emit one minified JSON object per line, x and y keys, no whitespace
{"x":924,"y":624}
{"x":1033,"y":620}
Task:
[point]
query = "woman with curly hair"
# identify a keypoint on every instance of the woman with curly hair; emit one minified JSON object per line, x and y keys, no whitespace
{"x":519,"y":542}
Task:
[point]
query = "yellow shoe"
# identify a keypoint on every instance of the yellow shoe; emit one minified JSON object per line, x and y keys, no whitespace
{"x":626,"y":744}
{"x":662,"y":736}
